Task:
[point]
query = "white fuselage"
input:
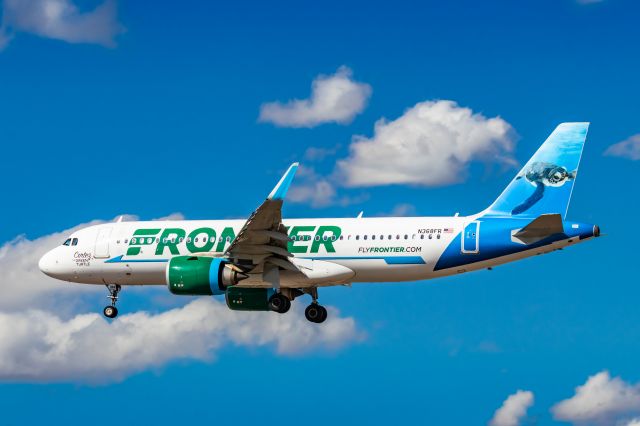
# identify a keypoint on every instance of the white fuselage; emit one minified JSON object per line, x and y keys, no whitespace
{"x":371,"y":249}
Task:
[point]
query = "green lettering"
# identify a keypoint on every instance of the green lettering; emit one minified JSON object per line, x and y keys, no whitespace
{"x":206,"y":241}
{"x":295,"y":231}
{"x":141,"y":237}
{"x":227,"y":233}
{"x":170,"y":238}
{"x":325,"y":236}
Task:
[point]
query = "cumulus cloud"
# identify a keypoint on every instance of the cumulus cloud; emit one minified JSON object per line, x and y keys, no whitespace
{"x":602,"y":400}
{"x":513,"y":409}
{"x":312,"y":188}
{"x":42,"y":345}
{"x":60,"y":20}
{"x":22,"y":285}
{"x":431,"y":144}
{"x":402,"y":209}
{"x":39,"y":346}
{"x":334,"y":98}
{"x":628,"y":148}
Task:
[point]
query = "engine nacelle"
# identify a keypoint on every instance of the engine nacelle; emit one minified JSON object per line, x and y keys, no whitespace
{"x":200,"y":276}
{"x":248,"y":299}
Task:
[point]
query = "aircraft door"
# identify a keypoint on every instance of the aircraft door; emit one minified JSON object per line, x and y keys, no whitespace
{"x":470,"y":238}
{"x":101,"y":250}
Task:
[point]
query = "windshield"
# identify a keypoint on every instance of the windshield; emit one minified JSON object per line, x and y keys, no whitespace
{"x":68,"y":242}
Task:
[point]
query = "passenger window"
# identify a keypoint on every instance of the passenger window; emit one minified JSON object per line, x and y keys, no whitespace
{"x":373,"y":237}
{"x":324,"y":238}
{"x":118,"y":242}
{"x":397,"y":237}
{"x":341,"y":237}
{"x":74,"y":242}
{"x":382,"y":237}
{"x":357,"y":237}
{"x":126,"y":240}
{"x":406,"y":237}
{"x":365,"y":237}
{"x":422,"y":236}
{"x":438,"y":236}
{"x":430,"y":236}
{"x":317,"y":238}
{"x":228,"y":239}
{"x":68,"y":242}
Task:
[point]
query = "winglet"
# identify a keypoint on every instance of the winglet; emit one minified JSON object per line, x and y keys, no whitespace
{"x":282,"y":187}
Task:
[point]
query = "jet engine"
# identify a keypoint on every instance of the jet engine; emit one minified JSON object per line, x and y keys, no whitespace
{"x":201,"y":276}
{"x":248,"y":299}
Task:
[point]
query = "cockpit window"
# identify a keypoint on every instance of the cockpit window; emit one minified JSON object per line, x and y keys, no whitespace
{"x":74,"y":242}
{"x":68,"y":242}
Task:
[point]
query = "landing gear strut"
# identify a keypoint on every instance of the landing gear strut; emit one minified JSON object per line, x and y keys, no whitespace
{"x":111,"y":311}
{"x":315,"y":312}
{"x":279,"y":303}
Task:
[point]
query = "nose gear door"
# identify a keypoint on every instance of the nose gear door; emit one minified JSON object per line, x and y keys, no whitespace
{"x":470,"y":238}
{"x":101,"y":249}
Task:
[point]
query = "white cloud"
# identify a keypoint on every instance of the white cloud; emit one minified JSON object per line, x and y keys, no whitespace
{"x":312,"y":188}
{"x":513,"y":409}
{"x":402,"y":209}
{"x":634,"y":422}
{"x":334,"y":98}
{"x":60,"y":20}
{"x":601,"y":400}
{"x":628,"y":148}
{"x":318,"y":154}
{"x":38,"y":346}
{"x":41,"y":345}
{"x":431,"y":144}
{"x":22,"y":285}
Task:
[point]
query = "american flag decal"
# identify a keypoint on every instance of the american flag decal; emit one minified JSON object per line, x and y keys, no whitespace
{"x":447,"y":230}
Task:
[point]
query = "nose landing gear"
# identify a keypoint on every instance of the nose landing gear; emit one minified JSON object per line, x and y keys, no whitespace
{"x":111,"y":311}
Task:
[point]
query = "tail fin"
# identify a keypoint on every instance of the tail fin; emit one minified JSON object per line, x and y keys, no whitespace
{"x":545,"y":183}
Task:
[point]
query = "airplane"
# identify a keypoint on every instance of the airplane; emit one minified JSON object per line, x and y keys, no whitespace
{"x":265,"y":262}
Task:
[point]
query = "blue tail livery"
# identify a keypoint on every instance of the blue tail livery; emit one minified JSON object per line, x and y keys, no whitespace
{"x":545,"y":183}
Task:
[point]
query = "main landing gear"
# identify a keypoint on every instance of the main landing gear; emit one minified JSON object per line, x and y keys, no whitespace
{"x":280,"y":302}
{"x":111,"y":311}
{"x":315,"y":312}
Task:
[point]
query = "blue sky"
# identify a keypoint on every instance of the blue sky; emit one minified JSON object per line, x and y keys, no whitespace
{"x":154,"y":110}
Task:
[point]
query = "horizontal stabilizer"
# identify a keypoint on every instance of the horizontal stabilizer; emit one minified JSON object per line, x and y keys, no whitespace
{"x":540,"y":228}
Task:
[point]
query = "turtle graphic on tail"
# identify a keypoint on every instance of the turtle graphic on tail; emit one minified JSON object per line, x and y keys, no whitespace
{"x":541,"y":175}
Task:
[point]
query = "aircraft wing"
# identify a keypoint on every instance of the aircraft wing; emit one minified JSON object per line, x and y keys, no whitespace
{"x":263,"y":238}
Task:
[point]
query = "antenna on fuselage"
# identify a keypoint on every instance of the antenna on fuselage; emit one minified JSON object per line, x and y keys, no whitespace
{"x":360,"y":215}
{"x":119,"y":219}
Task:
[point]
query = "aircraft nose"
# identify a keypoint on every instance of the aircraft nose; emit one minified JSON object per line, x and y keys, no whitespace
{"x":49,"y":265}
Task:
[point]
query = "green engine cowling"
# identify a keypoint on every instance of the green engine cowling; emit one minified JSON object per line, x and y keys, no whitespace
{"x":248,"y":299}
{"x":200,"y":276}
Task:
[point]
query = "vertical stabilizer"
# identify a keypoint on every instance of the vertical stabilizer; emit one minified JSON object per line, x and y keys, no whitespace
{"x":545,"y":183}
